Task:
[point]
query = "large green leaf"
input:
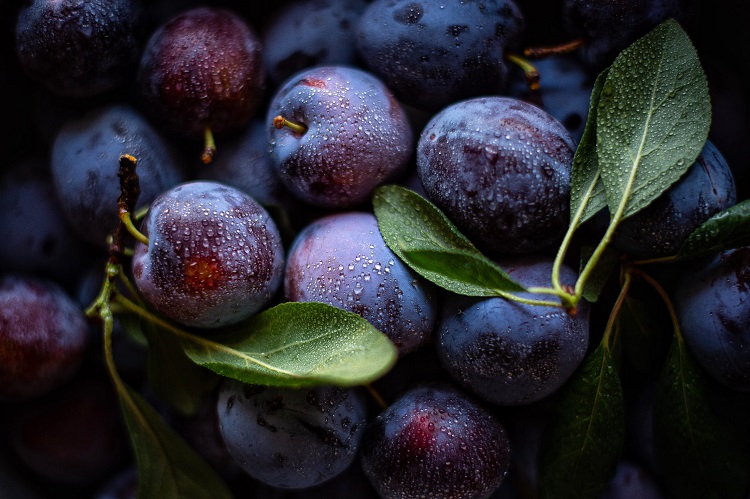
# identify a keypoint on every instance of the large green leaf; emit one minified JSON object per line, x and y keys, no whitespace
{"x":587,"y":195}
{"x":297,"y":344}
{"x":727,"y":229}
{"x":653,"y":118}
{"x":581,"y":449}
{"x":698,"y":456}
{"x":423,"y":237}
{"x":167,"y":465}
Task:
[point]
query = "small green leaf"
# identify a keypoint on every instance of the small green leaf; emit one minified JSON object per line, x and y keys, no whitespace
{"x":428,"y":242}
{"x":587,"y":195}
{"x":727,"y":229}
{"x":174,"y":378}
{"x":298,"y":344}
{"x":653,"y":118}
{"x":581,"y":449}
{"x":604,"y":269}
{"x":698,"y":455}
{"x":167,"y":465}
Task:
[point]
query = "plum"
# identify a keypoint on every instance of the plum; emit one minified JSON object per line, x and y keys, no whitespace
{"x":511,"y":353}
{"x":338,"y":133}
{"x":291,"y":438}
{"x":499,"y":168}
{"x":435,"y":441}
{"x":214,"y":255}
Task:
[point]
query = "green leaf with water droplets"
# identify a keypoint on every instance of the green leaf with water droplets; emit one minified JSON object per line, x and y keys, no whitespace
{"x":653,"y":118}
{"x":428,"y":242}
{"x":581,"y":447}
{"x":587,"y":194}
{"x":167,"y":465}
{"x":698,"y":455}
{"x":297,"y":344}
{"x":727,"y":229}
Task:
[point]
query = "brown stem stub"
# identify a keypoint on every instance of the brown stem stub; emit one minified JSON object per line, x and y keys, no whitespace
{"x":130,"y":190}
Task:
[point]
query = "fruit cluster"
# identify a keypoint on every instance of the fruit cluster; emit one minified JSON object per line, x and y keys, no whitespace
{"x":374,"y":248}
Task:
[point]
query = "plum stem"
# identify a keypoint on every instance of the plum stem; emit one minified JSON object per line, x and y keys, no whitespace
{"x":665,"y":298}
{"x":627,"y":280}
{"x":130,"y":190}
{"x":376,"y":396}
{"x":531,"y":72}
{"x":281,"y":122}
{"x":546,"y":51}
{"x":209,"y":146}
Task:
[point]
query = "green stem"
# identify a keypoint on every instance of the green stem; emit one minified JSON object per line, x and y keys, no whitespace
{"x":529,"y":301}
{"x":594,"y":259}
{"x":209,"y":146}
{"x":572,"y":300}
{"x":132,"y":230}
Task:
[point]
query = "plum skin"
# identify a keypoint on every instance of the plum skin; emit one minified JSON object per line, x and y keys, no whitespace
{"x":214,"y":255}
{"x":291,"y":437}
{"x":342,"y":260}
{"x":660,"y":228}
{"x":357,"y":137}
{"x":435,"y":441}
{"x":713,"y":309}
{"x":511,"y":353}
{"x":435,"y":53}
{"x":499,"y":168}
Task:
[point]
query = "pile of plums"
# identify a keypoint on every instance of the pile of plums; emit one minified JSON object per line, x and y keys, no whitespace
{"x":261,"y":131}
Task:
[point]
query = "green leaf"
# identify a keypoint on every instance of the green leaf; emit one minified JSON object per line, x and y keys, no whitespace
{"x":428,"y":242}
{"x":727,"y":229}
{"x":587,"y":195}
{"x":698,"y":455}
{"x":605,"y":268}
{"x":645,"y":332}
{"x":167,"y":465}
{"x":298,"y":344}
{"x":176,"y":379}
{"x":581,"y":449}
{"x":653,"y":118}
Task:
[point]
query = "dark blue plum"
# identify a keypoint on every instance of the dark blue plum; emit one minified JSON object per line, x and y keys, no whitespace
{"x":78,"y":48}
{"x":342,"y":260}
{"x":511,"y":353}
{"x":713,"y":308}
{"x":661,"y":227}
{"x":499,"y":168}
{"x":43,"y":336}
{"x":307,"y":33}
{"x":44,"y":242}
{"x":564,"y":91}
{"x":609,"y":26}
{"x":86,"y":158}
{"x":214,"y":255}
{"x":435,"y":441}
{"x":291,"y":438}
{"x":432,"y":54}
{"x":351,"y":135}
